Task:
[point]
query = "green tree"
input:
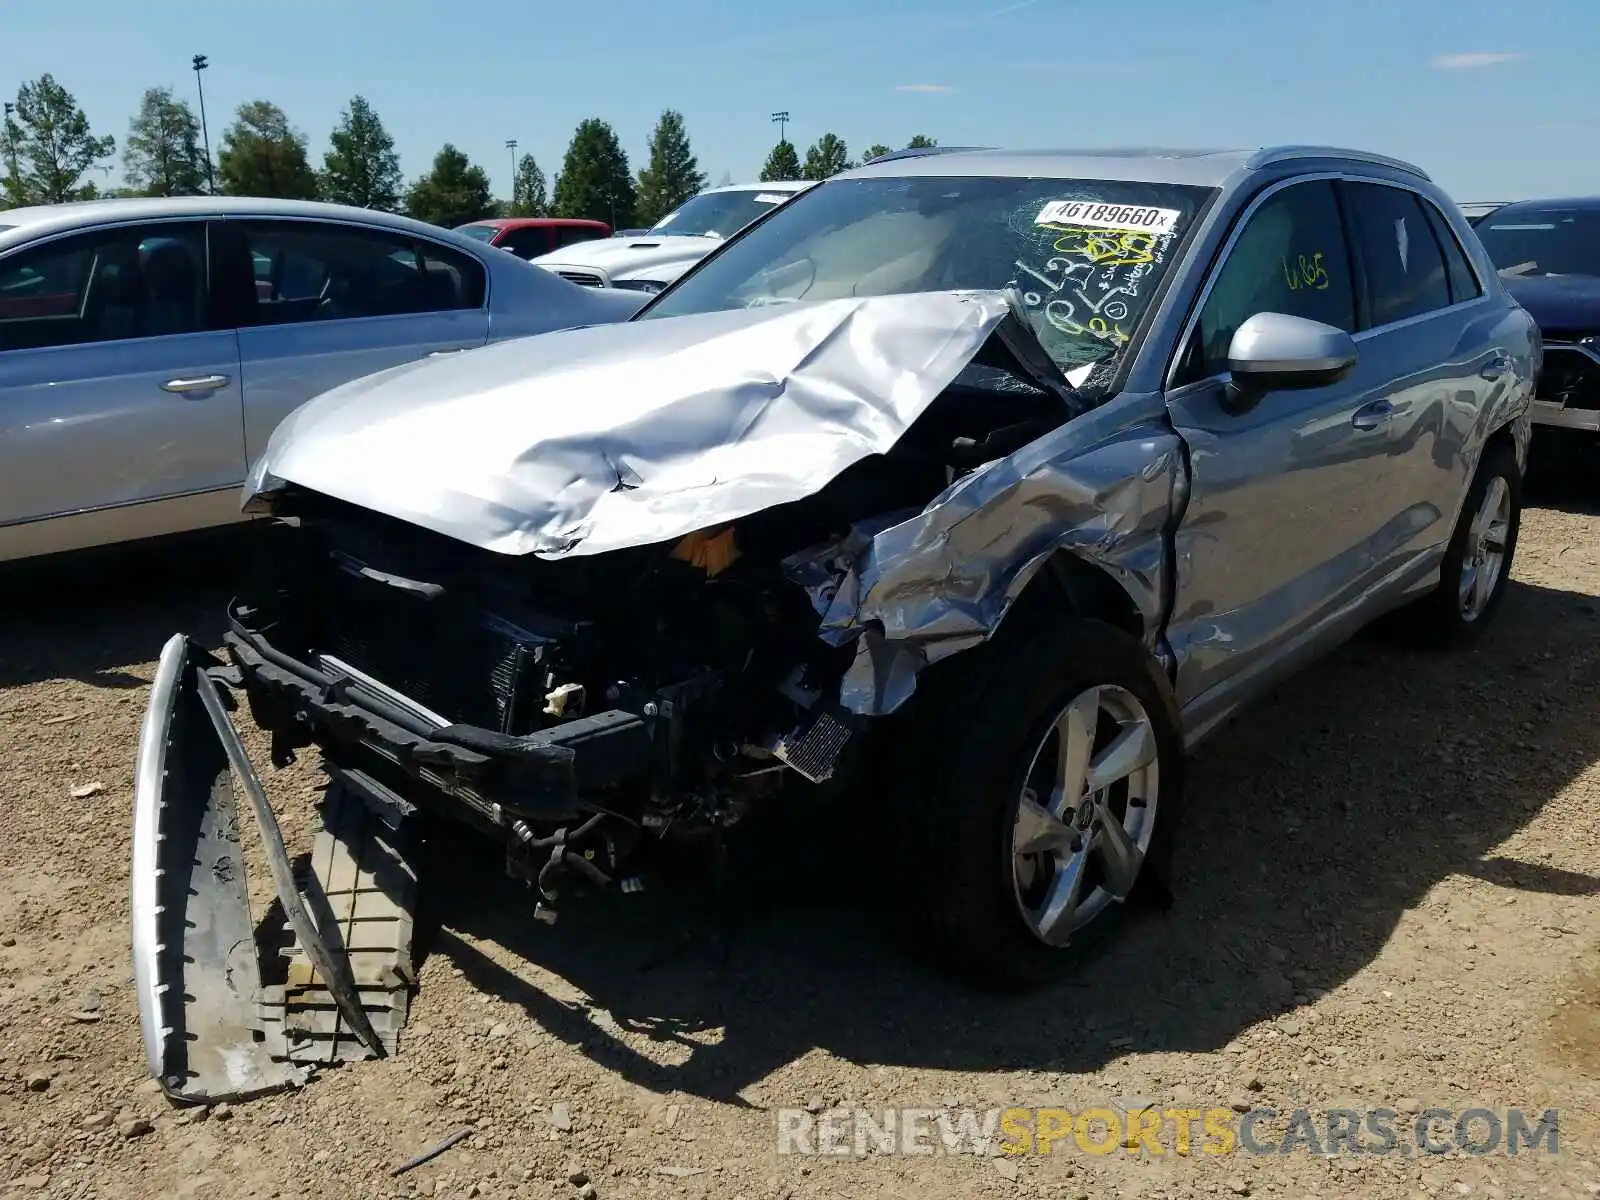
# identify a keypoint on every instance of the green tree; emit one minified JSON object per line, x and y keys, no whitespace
{"x":48,"y":146}
{"x":673,"y":174}
{"x":595,"y":181}
{"x":361,"y":167}
{"x":782,"y":163}
{"x":827,"y":156}
{"x":921,"y":142}
{"x":162,"y":156}
{"x":529,"y":195}
{"x":453,"y":193}
{"x":263,"y":155}
{"x":876,"y":150}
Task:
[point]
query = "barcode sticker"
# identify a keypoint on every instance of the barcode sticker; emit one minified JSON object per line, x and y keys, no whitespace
{"x":1087,"y":214}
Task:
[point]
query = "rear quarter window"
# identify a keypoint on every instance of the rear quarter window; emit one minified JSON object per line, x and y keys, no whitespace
{"x":1458,"y":270}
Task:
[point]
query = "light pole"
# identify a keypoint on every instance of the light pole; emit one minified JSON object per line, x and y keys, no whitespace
{"x":200,"y":64}
{"x":11,"y":140}
{"x":511,"y":145}
{"x":781,"y":120}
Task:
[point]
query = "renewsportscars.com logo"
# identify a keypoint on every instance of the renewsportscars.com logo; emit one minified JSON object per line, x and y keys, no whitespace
{"x":860,"y":1132}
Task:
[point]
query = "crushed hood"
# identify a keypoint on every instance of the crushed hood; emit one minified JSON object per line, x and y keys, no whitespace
{"x":588,"y":440}
{"x":630,"y":256}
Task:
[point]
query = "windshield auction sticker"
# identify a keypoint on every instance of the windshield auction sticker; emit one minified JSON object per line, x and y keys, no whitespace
{"x":1130,"y":218}
{"x":1088,"y":271}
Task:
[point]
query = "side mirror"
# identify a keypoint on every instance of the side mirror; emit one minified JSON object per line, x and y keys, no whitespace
{"x":1275,"y":351}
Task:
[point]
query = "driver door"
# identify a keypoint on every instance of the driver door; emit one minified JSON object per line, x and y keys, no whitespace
{"x":1275,"y":547}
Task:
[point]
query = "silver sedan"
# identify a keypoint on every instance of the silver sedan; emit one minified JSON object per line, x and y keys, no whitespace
{"x":149,"y":347}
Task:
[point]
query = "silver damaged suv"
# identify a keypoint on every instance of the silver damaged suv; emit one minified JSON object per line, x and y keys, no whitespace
{"x":967,"y":491}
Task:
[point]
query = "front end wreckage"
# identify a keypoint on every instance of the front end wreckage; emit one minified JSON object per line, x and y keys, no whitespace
{"x":590,"y":593}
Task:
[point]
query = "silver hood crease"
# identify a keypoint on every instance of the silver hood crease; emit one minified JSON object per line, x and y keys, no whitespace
{"x":590,"y":440}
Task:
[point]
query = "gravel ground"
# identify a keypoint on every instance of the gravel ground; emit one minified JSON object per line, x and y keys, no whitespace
{"x":1386,"y":898}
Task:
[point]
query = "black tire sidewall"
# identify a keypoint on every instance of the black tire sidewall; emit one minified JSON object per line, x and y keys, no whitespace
{"x":975,"y":742}
{"x":1499,"y":461}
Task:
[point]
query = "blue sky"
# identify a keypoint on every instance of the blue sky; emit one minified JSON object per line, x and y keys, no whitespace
{"x":1497,"y":100}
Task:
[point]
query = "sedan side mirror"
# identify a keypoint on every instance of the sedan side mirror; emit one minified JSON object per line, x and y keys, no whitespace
{"x":1275,"y":351}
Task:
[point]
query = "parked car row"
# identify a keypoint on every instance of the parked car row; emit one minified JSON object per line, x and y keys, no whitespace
{"x":147,"y":348}
{"x":650,"y":260}
{"x":58,"y":489}
{"x":529,"y":237}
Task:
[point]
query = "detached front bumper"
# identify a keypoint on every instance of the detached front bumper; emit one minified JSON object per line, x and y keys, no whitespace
{"x":208,"y":1032}
{"x":215,"y":1027}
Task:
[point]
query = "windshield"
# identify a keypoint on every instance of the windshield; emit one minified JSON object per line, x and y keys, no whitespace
{"x":717,"y":214}
{"x":1551,"y":241}
{"x":1085,"y":256}
{"x":482,"y":232}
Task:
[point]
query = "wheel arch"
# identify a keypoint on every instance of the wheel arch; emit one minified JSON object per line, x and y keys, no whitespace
{"x":1066,"y":584}
{"x":1506,"y":436}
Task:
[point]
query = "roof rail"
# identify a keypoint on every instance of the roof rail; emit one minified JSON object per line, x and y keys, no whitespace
{"x":1272,"y":155}
{"x":922,"y":152}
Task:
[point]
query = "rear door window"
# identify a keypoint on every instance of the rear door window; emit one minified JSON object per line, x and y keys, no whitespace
{"x":316,"y":271}
{"x":103,"y":286}
{"x":1458,"y":270}
{"x":1400,"y":256}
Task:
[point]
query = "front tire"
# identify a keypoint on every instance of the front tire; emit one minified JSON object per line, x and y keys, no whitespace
{"x":1045,"y":777}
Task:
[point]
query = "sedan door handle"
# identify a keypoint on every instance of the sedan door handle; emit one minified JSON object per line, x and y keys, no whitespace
{"x":200,"y":383}
{"x":1370,"y":416}
{"x":1495,"y":367}
{"x":442,"y":353}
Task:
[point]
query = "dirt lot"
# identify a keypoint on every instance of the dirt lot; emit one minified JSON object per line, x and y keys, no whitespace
{"x":1387,"y":897}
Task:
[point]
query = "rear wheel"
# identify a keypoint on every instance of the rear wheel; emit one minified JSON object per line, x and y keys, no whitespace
{"x":1046,"y":782}
{"x":1477,"y":563}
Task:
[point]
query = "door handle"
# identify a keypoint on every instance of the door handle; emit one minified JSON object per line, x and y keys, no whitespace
{"x":1495,"y":367}
{"x":1370,"y":416}
{"x":200,"y":383}
{"x":442,"y":353}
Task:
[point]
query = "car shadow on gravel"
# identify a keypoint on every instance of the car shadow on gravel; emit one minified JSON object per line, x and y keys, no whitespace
{"x":85,"y":617}
{"x":1315,"y":821}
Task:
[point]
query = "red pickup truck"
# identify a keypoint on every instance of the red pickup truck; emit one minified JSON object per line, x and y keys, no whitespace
{"x":528,"y":237}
